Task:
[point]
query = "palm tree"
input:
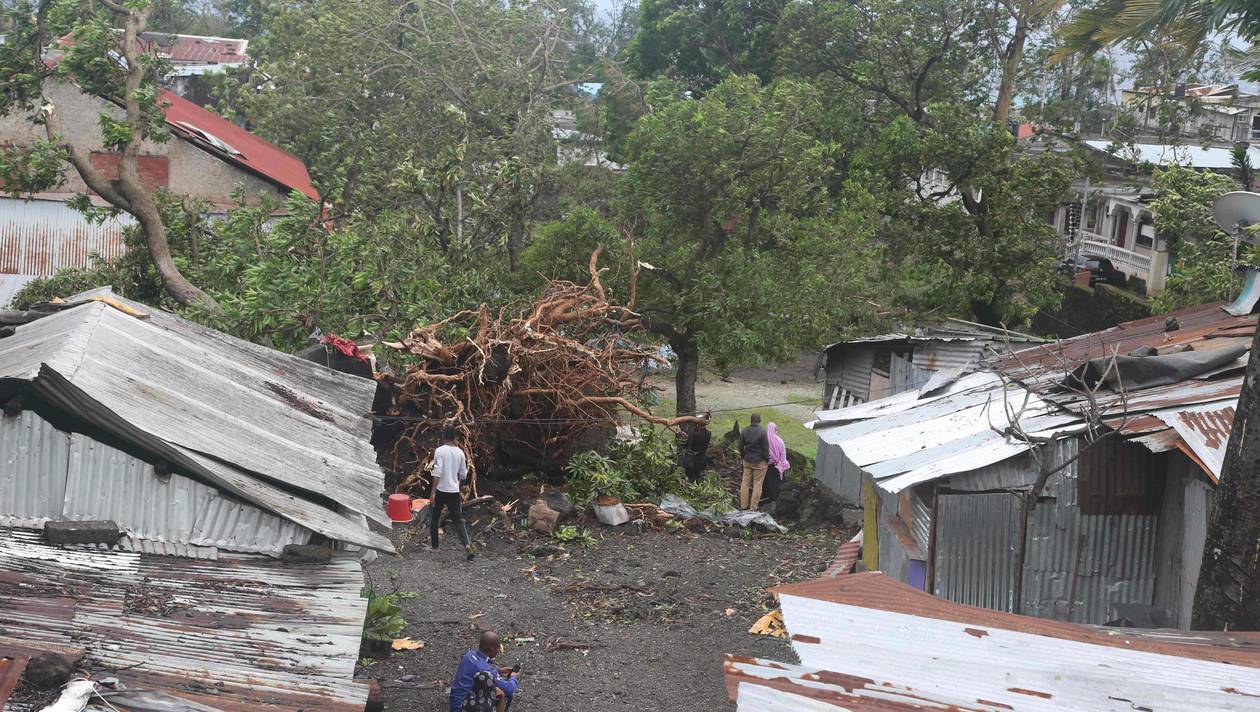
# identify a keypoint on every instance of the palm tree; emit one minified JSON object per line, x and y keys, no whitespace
{"x":1189,"y":22}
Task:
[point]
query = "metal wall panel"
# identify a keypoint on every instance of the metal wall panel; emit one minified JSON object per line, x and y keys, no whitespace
{"x":33,"y":457}
{"x":1199,"y":498}
{"x":107,"y":483}
{"x":921,"y":509}
{"x":1019,"y":472}
{"x":851,"y":368}
{"x":892,"y":556}
{"x":1078,"y":566}
{"x":38,"y":237}
{"x":944,"y":355}
{"x":977,"y":546}
{"x":904,"y":375}
{"x":835,"y":470}
{"x":237,"y":526}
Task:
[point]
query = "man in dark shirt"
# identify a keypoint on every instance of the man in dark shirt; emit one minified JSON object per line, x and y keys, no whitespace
{"x":754,"y":450}
{"x":696,"y":449}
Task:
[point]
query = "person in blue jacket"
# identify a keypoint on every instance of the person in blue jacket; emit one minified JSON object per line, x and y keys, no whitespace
{"x":506,"y":681}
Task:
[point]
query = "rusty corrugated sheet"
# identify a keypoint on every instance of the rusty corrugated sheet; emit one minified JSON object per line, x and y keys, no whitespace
{"x":879,"y":641}
{"x":1205,"y":430}
{"x":244,"y":634}
{"x":38,"y":237}
{"x":10,"y":673}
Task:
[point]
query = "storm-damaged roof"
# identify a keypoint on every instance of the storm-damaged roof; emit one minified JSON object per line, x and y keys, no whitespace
{"x":1175,"y":383}
{"x":236,"y":635}
{"x":284,"y":434}
{"x":868,"y":642}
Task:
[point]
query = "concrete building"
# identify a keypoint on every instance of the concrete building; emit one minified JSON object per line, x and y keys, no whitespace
{"x":207,"y":158}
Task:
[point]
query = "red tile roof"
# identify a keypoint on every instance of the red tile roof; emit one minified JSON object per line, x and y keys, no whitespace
{"x":232,"y":143}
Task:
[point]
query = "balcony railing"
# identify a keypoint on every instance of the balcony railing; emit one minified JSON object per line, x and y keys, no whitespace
{"x":1134,"y":264}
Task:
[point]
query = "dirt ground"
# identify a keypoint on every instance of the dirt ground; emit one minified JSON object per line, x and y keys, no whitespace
{"x":639,"y":621}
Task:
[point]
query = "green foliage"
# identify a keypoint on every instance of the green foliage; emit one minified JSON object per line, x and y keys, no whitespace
{"x":384,"y":620}
{"x":643,"y":471}
{"x":700,"y":42}
{"x":574,"y":535}
{"x":33,"y":168}
{"x":278,"y":279}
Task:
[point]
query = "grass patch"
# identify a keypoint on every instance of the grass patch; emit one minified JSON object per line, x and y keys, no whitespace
{"x":793,"y":432}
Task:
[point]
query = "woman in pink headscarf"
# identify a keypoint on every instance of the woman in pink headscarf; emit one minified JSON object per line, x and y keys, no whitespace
{"x":779,"y":464}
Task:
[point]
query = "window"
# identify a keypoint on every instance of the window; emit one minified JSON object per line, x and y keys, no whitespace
{"x":1146,"y":234}
{"x":1255,"y":127}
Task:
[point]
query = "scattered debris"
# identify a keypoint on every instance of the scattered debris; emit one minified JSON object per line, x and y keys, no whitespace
{"x":770,"y":624}
{"x":679,"y":507}
{"x":74,"y":698}
{"x":610,"y":511}
{"x":407,"y":644}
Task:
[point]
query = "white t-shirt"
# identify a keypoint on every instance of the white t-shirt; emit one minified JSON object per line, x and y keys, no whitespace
{"x":450,"y":467}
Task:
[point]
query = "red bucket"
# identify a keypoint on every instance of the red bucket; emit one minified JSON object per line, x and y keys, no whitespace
{"x":399,"y":508}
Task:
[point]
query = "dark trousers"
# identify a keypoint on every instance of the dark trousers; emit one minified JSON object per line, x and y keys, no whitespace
{"x":451,"y":501}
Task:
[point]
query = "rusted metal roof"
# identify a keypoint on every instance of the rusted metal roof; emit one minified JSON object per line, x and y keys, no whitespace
{"x":235,"y":634}
{"x":10,"y":672}
{"x":1204,"y":432}
{"x":881,"y":642}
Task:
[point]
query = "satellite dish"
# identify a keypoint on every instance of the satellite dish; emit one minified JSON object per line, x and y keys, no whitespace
{"x":1235,"y":208}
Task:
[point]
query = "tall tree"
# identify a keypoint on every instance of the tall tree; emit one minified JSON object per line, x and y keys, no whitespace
{"x":439,"y":110}
{"x":744,"y":255}
{"x":966,"y":204}
{"x":698,"y":42}
{"x":111,"y":65}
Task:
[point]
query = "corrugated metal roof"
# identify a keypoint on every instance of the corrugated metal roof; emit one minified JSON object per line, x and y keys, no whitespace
{"x":249,"y":151}
{"x":1205,"y":431}
{"x":868,"y":633}
{"x":10,"y":673}
{"x":244,"y":418}
{"x":234,"y":634}
{"x":1173,"y":154}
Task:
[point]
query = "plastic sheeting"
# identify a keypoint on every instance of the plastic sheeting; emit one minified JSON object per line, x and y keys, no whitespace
{"x":678,"y":507}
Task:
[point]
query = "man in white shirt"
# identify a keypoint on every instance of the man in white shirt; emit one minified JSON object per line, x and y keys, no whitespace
{"x":450,"y":469}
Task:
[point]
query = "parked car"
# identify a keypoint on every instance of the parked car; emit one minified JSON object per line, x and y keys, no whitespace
{"x":1100,"y":270}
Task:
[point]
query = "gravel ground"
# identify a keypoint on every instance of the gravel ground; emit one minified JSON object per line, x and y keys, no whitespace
{"x":636,"y":622}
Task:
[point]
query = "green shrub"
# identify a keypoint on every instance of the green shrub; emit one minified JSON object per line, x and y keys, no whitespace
{"x":384,"y":620}
{"x":641,"y":472}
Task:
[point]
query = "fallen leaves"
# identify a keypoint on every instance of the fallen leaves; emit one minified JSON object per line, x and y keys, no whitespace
{"x":407,"y":644}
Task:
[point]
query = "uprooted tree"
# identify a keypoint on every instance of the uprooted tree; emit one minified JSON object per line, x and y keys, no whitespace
{"x":525,"y":388}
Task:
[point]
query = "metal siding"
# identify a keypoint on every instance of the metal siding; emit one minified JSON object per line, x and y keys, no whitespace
{"x":904,"y":375}
{"x":834,"y":469}
{"x":38,"y":237}
{"x":944,"y":355}
{"x":10,"y":285}
{"x":228,"y":524}
{"x":921,"y":527}
{"x":892,"y":556}
{"x":1077,"y":566}
{"x":851,"y":368}
{"x":1198,"y":497}
{"x":977,"y":540}
{"x":1019,"y":472}
{"x":246,"y":634}
{"x":33,"y":457}
{"x":107,"y":483}
{"x":1169,"y":563}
